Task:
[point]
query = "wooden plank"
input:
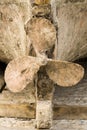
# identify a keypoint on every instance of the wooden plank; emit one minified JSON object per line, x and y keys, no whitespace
{"x":70,"y":113}
{"x":17,"y":110}
{"x":17,"y":124}
{"x":45,"y":91}
{"x":69,"y":125}
{"x":19,"y":104}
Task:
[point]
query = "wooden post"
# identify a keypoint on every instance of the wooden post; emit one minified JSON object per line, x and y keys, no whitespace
{"x":44,"y":96}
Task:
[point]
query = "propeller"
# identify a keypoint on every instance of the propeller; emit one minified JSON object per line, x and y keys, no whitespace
{"x":20,"y":72}
{"x":64,"y":73}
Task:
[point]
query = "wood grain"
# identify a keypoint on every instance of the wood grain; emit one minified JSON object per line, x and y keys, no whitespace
{"x":19,"y":104}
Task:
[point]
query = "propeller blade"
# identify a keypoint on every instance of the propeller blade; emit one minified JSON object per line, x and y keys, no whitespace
{"x":64,"y":73}
{"x":41,"y":33}
{"x":20,"y":72}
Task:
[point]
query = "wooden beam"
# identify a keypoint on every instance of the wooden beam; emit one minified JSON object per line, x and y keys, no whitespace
{"x":19,"y":104}
{"x":44,"y":98}
{"x":17,"y":124}
{"x":18,"y":110}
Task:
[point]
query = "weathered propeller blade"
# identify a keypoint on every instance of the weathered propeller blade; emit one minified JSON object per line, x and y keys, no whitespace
{"x":72,"y":32}
{"x":12,"y":34}
{"x":21,"y":71}
{"x":24,"y":7}
{"x":41,"y":33}
{"x":64,"y":73}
